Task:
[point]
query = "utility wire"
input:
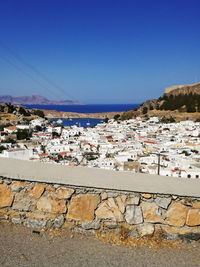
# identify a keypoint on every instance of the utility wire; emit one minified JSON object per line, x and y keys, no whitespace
{"x":26,"y":73}
{"x":35,"y":70}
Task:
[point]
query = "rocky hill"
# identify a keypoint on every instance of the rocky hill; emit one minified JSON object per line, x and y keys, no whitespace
{"x":34,"y":100}
{"x":180,"y":102}
{"x":184,"y":98}
{"x":13,"y":114}
{"x":183,"y":89}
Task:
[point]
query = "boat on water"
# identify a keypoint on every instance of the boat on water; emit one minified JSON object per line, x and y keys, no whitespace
{"x":88,"y":123}
{"x":59,"y":121}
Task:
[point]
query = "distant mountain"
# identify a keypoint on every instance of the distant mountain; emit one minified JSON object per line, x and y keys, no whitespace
{"x":34,"y":100}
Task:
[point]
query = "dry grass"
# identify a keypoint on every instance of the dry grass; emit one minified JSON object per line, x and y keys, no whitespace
{"x":124,"y":240}
{"x":179,"y":116}
{"x":121,"y":239}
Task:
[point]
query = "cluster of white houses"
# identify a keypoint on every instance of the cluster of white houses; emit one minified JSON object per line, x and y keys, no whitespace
{"x":137,"y":145}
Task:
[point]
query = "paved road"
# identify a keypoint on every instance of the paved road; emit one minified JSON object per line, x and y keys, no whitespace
{"x":21,"y":247}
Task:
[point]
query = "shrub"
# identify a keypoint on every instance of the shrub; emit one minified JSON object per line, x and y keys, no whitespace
{"x":38,"y":113}
{"x":116,"y":117}
{"x":2,"y":148}
{"x":23,"y":134}
{"x":144,"y":110}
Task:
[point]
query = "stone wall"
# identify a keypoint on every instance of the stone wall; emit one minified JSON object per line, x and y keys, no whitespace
{"x":42,"y":205}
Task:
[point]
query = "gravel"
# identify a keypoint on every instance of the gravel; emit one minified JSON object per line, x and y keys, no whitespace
{"x":21,"y":246}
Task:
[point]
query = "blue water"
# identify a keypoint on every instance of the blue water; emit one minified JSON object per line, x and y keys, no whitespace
{"x":80,"y":122}
{"x":84,"y":122}
{"x":93,"y":108}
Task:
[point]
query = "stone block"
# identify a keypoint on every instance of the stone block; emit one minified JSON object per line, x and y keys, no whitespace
{"x":22,"y":202}
{"x":109,"y":209}
{"x":58,"y":206}
{"x":37,"y":191}
{"x":95,"y":225}
{"x":147,"y":196}
{"x":151,"y":213}
{"x":163,"y":202}
{"x":44,"y":204}
{"x":52,"y":205}
{"x":68,"y":225}
{"x":186,"y":202}
{"x":111,"y":225}
{"x":17,"y":186}
{"x":193,"y":217}
{"x":82,"y":207}
{"x":183,"y":233}
{"x":16,"y":220}
{"x":104,"y":195}
{"x":176,"y":214}
{"x":4,"y":217}
{"x":59,"y":221}
{"x":121,"y":202}
{"x":6,"y":196}
{"x":133,"y":215}
{"x":35,"y":223}
{"x":196,"y":204}
{"x":133,"y":200}
{"x":7,"y":181}
{"x":64,"y":193}
{"x":104,"y":212}
{"x":50,"y":188}
{"x":112,"y":194}
{"x":178,"y":230}
{"x":41,"y":215}
{"x":146,"y":230}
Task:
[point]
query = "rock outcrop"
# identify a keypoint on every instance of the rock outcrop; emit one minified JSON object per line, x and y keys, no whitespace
{"x":183,"y":89}
{"x":13,"y":114}
{"x":184,"y":98}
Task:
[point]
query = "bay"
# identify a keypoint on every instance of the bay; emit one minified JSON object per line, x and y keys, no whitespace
{"x":92,"y":108}
{"x":79,"y":122}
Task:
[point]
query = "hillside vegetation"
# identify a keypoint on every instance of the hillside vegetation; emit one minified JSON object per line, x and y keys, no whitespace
{"x":182,"y":102}
{"x":177,"y":101}
{"x":184,"y":98}
{"x":12,"y":114}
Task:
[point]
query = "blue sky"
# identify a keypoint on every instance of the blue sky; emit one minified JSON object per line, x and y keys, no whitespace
{"x":98,"y":51}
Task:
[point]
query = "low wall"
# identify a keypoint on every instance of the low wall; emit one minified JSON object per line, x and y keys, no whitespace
{"x":55,"y":205}
{"x":97,"y":178}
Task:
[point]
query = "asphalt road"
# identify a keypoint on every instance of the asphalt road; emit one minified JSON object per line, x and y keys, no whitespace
{"x":21,"y":247}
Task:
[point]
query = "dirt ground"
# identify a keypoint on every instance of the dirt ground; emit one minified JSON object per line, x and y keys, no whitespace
{"x":21,"y":246}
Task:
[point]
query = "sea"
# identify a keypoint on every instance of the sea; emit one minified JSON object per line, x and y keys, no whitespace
{"x":92,"y":108}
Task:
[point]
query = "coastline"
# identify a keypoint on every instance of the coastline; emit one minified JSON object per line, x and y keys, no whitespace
{"x":53,"y":114}
{"x":178,"y":116}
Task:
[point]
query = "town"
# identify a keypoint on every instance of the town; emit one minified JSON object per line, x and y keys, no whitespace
{"x":146,"y":145}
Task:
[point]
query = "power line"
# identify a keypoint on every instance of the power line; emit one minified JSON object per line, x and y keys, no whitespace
{"x":26,"y":73}
{"x":35,"y":70}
